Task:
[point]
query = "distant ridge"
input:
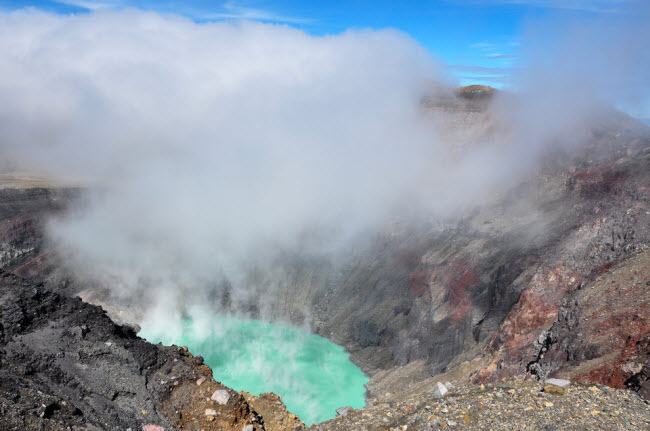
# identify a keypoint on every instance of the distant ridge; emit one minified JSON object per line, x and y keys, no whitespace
{"x":471,"y":98}
{"x":475,"y":92}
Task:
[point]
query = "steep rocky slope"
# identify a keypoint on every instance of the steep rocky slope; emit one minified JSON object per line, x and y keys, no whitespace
{"x":509,"y":405}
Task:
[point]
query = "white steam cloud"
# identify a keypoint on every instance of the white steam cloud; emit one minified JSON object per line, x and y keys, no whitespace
{"x":215,"y":147}
{"x":211,"y":144}
{"x":575,"y":66}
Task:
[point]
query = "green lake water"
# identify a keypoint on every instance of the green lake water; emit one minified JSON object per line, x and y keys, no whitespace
{"x":313,"y":376}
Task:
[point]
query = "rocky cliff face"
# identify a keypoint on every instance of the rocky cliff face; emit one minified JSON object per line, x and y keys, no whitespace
{"x":601,"y":331}
{"x":24,"y":209}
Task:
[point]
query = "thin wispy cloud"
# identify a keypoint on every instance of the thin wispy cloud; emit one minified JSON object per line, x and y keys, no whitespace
{"x":229,"y":10}
{"x":499,"y":48}
{"x":492,"y":80}
{"x":90,"y":5}
{"x":482,"y":69}
{"x":483,"y":45}
{"x":497,"y":56}
{"x":594,"y":6}
{"x":492,"y":62}
{"x":234,"y":10}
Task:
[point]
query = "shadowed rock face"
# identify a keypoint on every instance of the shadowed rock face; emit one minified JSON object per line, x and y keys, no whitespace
{"x":22,"y":211}
{"x":516,"y":287}
{"x":23,"y":214}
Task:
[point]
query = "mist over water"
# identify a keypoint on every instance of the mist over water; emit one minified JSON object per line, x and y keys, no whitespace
{"x":313,"y":376}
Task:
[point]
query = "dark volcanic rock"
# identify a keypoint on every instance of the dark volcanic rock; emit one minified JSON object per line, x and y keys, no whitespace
{"x":64,"y":363}
{"x":23,"y":214}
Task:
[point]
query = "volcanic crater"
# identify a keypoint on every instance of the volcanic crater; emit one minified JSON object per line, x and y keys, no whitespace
{"x":548,"y":279}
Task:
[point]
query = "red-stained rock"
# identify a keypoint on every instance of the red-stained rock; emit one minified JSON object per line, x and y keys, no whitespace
{"x":600,"y":334}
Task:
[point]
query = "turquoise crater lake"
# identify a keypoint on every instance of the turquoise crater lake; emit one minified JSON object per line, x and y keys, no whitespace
{"x":313,"y":376}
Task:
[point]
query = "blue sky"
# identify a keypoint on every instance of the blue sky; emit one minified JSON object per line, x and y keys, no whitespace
{"x":478,"y":39}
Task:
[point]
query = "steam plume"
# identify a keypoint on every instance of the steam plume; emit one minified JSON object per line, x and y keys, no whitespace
{"x":214,"y":147}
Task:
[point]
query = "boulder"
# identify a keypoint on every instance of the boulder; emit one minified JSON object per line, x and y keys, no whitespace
{"x":555,"y":390}
{"x":563,"y":383}
{"x":440,"y":390}
{"x":556,"y":386}
{"x":221,"y":396}
{"x":343,"y":411}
